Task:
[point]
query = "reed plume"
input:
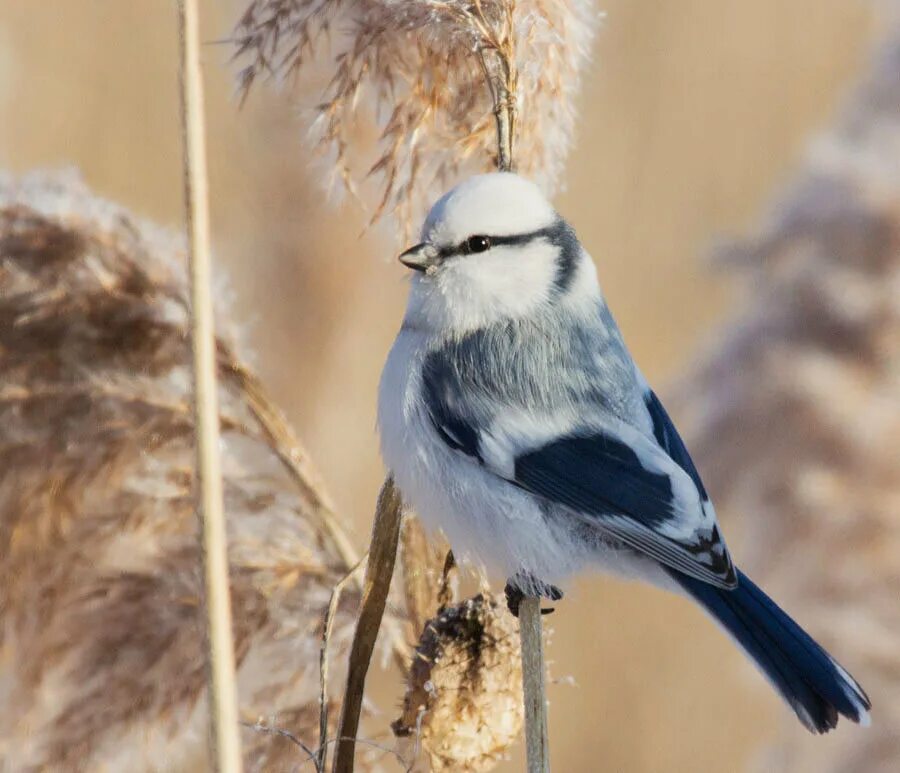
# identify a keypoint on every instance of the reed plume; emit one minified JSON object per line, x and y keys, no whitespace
{"x":463,"y":704}
{"x":99,"y":567}
{"x":796,"y":416}
{"x":429,"y":74}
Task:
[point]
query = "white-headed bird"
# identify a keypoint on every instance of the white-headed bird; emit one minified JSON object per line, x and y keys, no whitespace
{"x":513,"y":417}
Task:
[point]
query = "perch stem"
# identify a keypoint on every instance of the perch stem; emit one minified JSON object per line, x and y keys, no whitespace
{"x":225,"y":750}
{"x":533,"y":687}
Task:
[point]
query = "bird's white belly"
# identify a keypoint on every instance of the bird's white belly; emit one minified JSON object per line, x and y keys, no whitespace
{"x":486,"y":519}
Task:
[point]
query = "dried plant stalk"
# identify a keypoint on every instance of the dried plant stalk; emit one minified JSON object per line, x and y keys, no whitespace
{"x":463,"y":705}
{"x":796,"y":417}
{"x":99,"y":584}
{"x":224,"y":737}
{"x":417,"y":70}
{"x":533,"y":685}
{"x":321,"y":756}
{"x":379,"y":571}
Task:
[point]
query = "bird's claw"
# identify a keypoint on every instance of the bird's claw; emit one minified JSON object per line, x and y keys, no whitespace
{"x":514,"y":594}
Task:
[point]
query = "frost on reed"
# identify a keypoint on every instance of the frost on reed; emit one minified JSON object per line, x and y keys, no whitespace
{"x":463,"y":705}
{"x":417,"y":69}
{"x":797,"y":411}
{"x":99,"y":568}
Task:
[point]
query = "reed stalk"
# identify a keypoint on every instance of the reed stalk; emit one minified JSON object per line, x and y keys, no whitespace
{"x":224,"y":741}
{"x":537,"y":742}
{"x":379,"y":570}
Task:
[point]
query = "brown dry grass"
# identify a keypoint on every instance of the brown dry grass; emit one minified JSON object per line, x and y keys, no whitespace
{"x":99,"y":569}
{"x":417,"y":70}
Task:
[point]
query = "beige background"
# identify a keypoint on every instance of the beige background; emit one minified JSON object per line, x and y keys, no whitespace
{"x":694,"y":112}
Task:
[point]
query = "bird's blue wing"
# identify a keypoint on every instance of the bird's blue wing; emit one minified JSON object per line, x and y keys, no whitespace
{"x":642,"y":491}
{"x":634,"y":494}
{"x":633,"y":481}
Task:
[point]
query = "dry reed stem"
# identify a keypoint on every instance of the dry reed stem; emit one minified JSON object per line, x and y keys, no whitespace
{"x":327,"y":628}
{"x":259,"y":727}
{"x":224,"y":739}
{"x":379,"y":571}
{"x":533,"y":685}
{"x":99,"y":581}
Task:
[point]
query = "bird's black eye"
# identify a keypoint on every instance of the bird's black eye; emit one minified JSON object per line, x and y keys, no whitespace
{"x":478,"y":244}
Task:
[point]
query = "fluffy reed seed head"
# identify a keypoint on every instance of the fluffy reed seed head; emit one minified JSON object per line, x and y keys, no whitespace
{"x":429,"y":74}
{"x":796,"y":415}
{"x":463,"y":705}
{"x":103,"y":658}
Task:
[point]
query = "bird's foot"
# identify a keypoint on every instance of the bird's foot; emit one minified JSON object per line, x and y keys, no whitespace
{"x":514,"y":594}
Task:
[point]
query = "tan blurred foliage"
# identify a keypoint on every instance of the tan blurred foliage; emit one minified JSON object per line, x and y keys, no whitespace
{"x":99,"y":561}
{"x":796,"y":413}
{"x":692,"y":113}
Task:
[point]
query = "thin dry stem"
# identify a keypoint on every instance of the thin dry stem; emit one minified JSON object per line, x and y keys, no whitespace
{"x":533,"y":685}
{"x":379,"y":570}
{"x":225,"y":745}
{"x":258,"y":727}
{"x":327,"y":629}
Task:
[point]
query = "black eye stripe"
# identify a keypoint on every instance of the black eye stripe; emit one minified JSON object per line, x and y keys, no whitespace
{"x":512,"y":240}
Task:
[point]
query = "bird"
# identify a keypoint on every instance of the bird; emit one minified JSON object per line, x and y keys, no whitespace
{"x":514,"y":419}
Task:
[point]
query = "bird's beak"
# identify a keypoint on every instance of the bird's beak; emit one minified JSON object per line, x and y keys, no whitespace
{"x":419,"y":258}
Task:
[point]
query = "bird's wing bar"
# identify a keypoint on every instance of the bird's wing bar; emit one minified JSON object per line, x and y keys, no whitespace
{"x":633,"y":492}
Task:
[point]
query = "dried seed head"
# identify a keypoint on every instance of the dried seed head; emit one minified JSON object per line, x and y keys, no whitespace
{"x":99,"y":569}
{"x":463,"y":704}
{"x":429,"y":74}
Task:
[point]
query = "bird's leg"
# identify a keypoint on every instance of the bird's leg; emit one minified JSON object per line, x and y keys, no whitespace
{"x":514,"y":593}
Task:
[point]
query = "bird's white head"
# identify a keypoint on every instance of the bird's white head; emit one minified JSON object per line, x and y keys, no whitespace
{"x":492,"y":248}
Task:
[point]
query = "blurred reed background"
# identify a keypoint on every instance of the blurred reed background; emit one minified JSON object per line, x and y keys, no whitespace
{"x":692,"y":115}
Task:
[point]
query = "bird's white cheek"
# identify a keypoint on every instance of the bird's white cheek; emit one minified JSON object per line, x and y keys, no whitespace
{"x":506,"y":282}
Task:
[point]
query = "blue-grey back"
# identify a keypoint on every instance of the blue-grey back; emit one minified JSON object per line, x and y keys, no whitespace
{"x":554,"y":361}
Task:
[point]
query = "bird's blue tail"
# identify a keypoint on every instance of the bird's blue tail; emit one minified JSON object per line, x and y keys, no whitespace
{"x":806,"y":676}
